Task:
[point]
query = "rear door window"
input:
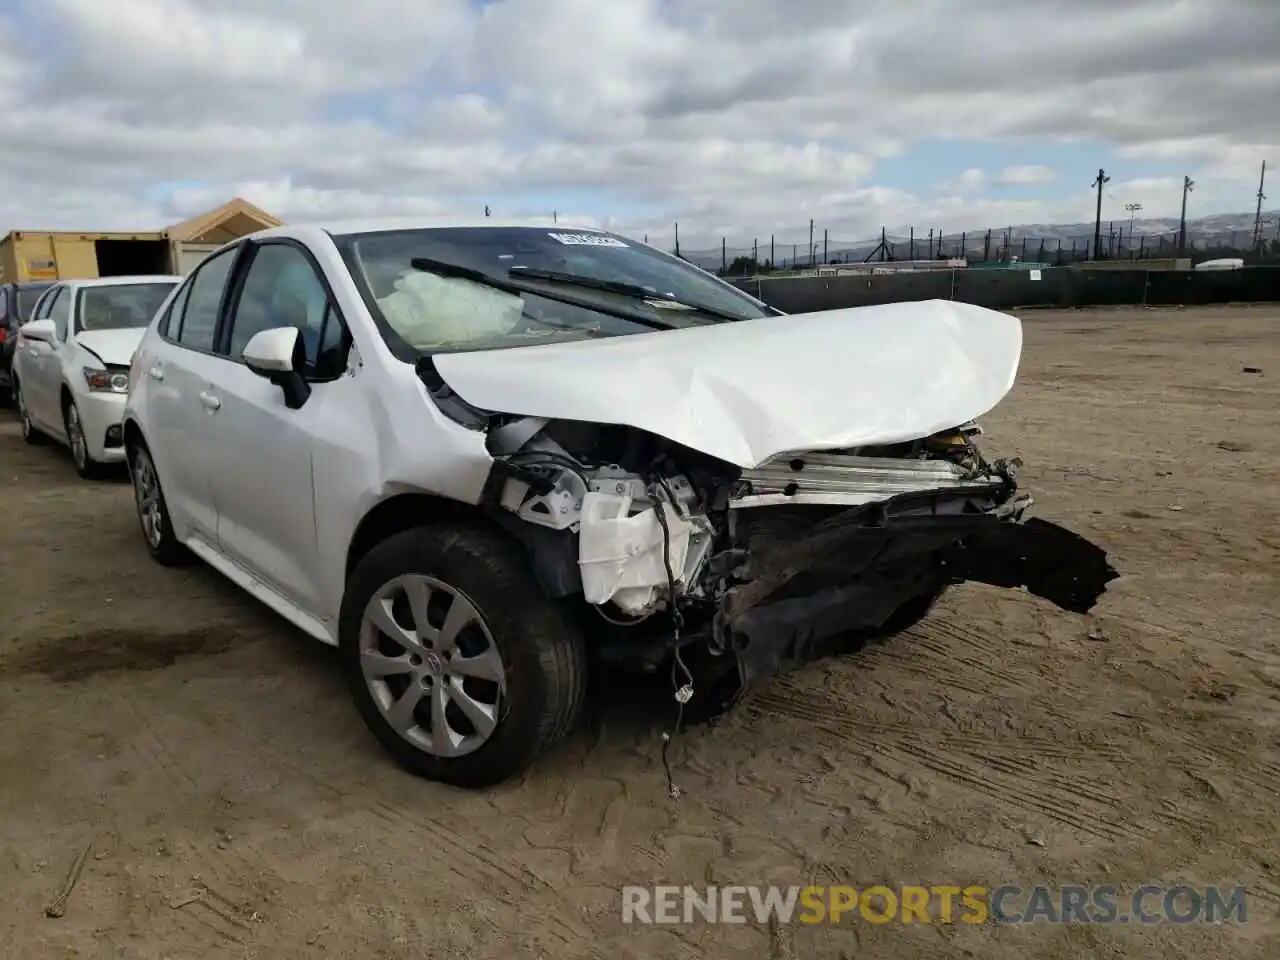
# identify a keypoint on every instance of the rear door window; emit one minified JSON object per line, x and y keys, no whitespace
{"x":203,"y":302}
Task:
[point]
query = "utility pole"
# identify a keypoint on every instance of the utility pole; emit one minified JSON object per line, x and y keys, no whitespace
{"x":1257,"y":217}
{"x":1101,"y":182}
{"x":677,"y":238}
{"x":1187,"y":186}
{"x":812,"y":250}
{"x":486,"y":209}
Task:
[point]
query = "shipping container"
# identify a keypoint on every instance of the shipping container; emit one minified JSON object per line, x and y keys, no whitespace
{"x":30,"y":255}
{"x":27,"y":256}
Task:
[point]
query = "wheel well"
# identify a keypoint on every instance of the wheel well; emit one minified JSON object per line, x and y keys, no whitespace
{"x":408,"y":510}
{"x":133,"y":435}
{"x":65,"y":397}
{"x":552,"y":553}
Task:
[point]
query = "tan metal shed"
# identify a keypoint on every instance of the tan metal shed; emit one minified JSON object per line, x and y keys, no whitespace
{"x":192,"y":240}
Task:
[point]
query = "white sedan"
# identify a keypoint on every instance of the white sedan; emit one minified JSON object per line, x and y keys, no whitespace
{"x":477,"y":458}
{"x":71,"y":363}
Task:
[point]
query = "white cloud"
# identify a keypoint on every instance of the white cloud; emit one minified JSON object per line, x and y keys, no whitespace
{"x":1026,"y":175}
{"x":746,"y":117}
{"x":969,"y":181}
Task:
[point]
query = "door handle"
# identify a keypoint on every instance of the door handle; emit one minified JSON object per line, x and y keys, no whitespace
{"x":155,"y":373}
{"x":211,"y":402}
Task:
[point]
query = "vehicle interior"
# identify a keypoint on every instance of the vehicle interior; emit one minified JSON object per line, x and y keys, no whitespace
{"x":125,"y":258}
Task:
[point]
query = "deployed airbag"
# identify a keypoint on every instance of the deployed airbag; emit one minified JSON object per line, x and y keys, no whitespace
{"x":431,"y":311}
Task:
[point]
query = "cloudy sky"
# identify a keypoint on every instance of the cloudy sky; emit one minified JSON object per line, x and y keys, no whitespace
{"x":735,"y":117}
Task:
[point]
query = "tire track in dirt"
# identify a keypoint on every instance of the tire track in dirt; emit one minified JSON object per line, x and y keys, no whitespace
{"x":1240,"y":766}
{"x":934,"y":651}
{"x":1010,"y":770}
{"x":473,"y":861}
{"x":468,"y":858}
{"x":219,"y":902}
{"x":788,"y":696}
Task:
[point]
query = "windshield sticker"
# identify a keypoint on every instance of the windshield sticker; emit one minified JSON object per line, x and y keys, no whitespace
{"x":586,"y":240}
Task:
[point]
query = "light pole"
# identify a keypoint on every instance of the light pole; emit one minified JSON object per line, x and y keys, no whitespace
{"x":1133,"y":209}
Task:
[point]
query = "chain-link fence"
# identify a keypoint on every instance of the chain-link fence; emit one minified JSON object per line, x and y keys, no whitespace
{"x":769,"y":254}
{"x":1009,"y":289}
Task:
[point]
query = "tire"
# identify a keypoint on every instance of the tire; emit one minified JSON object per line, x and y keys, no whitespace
{"x":157,"y":530}
{"x":543,"y":662}
{"x":29,"y":432}
{"x":87,"y":467}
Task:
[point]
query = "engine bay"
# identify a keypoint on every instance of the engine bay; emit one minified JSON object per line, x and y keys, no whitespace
{"x":657,"y":525}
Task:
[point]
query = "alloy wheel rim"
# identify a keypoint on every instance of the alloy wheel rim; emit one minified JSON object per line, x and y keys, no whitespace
{"x":23,"y":416}
{"x":432,"y":666}
{"x":79,"y":450}
{"x":147,"y":493}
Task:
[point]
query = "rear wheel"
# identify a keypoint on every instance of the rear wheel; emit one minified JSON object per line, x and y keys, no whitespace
{"x":153,"y":511}
{"x":459,"y":665}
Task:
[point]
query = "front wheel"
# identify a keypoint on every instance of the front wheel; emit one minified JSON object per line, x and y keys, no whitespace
{"x":29,"y":432}
{"x":86,"y":466}
{"x":459,"y":665}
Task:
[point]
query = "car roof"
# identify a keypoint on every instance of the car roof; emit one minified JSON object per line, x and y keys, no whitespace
{"x":121,"y":281}
{"x":387,"y":225}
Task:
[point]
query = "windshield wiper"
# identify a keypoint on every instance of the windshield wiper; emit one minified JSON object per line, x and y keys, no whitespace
{"x":633,"y":290}
{"x":513,"y":286}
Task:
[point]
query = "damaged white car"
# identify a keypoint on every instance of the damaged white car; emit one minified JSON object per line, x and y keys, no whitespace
{"x":478,"y":458}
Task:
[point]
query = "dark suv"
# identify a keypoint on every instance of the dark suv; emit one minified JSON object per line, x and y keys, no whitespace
{"x":16,"y":303}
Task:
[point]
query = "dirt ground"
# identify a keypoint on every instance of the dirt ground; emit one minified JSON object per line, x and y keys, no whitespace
{"x":206,"y":756}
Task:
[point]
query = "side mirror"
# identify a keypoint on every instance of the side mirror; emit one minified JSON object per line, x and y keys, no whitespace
{"x":41,"y":330}
{"x":276,"y":355}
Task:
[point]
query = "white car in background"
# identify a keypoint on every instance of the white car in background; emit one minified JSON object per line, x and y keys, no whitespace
{"x":71,"y":363}
{"x":477,"y":457}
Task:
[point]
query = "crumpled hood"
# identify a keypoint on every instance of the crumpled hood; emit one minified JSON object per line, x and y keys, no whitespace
{"x":112,"y":346}
{"x":745,"y":392}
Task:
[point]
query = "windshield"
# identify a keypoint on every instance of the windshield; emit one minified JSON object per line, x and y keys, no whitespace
{"x":27,"y":297}
{"x":434,"y":313}
{"x":121,"y":306}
